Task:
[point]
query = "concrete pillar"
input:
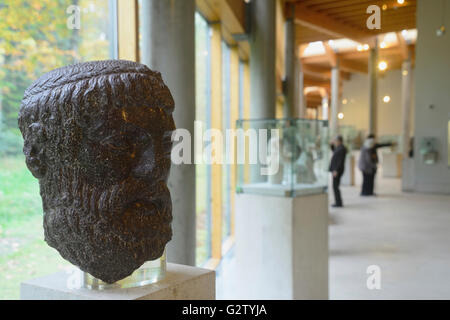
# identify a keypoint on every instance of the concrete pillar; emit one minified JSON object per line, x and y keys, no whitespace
{"x":406,"y":105}
{"x":325,"y":108}
{"x":262,"y":59}
{"x":334,"y":101}
{"x":291,"y":71}
{"x":301,"y":104}
{"x":169,"y":47}
{"x":373,"y":88}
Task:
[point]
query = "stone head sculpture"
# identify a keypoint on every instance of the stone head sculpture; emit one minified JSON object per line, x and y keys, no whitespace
{"x":97,"y":135}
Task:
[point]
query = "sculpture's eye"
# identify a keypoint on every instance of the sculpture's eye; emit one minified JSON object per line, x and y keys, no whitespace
{"x":144,"y":137}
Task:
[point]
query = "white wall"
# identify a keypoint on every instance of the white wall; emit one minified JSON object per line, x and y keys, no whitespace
{"x":356,"y":111}
{"x":432,"y":88}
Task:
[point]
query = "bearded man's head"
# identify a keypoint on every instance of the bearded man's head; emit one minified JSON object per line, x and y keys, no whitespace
{"x":97,"y":135}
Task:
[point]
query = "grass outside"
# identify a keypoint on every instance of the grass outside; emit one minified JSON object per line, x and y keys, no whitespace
{"x":23,"y":251}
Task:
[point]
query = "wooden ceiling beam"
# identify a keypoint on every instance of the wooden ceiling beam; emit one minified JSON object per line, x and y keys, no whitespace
{"x":231,"y":15}
{"x":316,"y":72}
{"x":362,"y":11}
{"x":403,"y":46}
{"x":309,"y":82}
{"x":329,"y":5}
{"x":327,"y":25}
{"x":353,"y":66}
{"x":329,"y":52}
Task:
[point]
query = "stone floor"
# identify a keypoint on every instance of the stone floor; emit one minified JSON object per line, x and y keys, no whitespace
{"x":406,"y":235}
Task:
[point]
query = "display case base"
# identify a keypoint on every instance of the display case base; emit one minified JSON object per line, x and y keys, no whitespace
{"x":348,"y":178}
{"x":282,"y":246}
{"x":180,"y":283}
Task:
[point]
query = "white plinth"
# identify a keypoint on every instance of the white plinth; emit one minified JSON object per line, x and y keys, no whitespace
{"x":348,"y":178}
{"x":392,"y":165}
{"x":181,"y":283}
{"x":282,"y":247}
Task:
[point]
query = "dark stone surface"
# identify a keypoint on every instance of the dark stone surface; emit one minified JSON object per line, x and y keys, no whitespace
{"x":97,"y":135}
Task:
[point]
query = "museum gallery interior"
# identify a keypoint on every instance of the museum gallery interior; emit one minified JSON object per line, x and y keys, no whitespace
{"x":224,"y":149}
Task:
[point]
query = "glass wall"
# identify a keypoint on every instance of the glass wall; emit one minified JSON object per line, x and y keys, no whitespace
{"x":36,"y":37}
{"x":203,"y":115}
{"x":226,"y":124}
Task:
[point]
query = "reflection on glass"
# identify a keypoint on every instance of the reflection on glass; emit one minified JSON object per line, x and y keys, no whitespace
{"x":226,"y":124}
{"x":448,"y":145}
{"x":203,"y":114}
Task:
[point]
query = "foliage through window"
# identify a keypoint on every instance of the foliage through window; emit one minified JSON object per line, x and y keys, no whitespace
{"x":35,"y":37}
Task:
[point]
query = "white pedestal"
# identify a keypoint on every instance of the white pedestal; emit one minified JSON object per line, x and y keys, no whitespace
{"x":181,"y":283}
{"x":282,"y":247}
{"x":392,"y":165}
{"x":348,"y":178}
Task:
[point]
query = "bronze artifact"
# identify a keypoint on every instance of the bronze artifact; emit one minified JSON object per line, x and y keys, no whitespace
{"x":97,"y":135}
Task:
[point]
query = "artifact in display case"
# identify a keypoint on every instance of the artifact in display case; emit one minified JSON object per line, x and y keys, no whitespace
{"x":428,"y":149}
{"x":97,"y":136}
{"x":351,"y":137}
{"x":296,"y":151}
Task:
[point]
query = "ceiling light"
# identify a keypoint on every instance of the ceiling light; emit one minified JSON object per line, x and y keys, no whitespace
{"x":384,"y":7}
{"x":382,"y":65}
{"x":400,"y":1}
{"x":366,"y":47}
{"x":382,"y":45}
{"x":360,"y":47}
{"x":386,"y":99}
{"x":405,"y":72}
{"x":344,"y":101}
{"x":340,"y":115}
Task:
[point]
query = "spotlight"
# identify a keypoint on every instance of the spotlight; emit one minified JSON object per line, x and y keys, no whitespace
{"x":400,"y":1}
{"x":340,"y":115}
{"x":440,"y":32}
{"x":382,"y":65}
{"x":386,"y":99}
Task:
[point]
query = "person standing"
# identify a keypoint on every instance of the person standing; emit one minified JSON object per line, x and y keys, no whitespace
{"x":368,"y":162}
{"x":337,"y":166}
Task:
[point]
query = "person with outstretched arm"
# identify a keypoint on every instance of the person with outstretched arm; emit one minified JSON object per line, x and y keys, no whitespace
{"x":368,"y":162}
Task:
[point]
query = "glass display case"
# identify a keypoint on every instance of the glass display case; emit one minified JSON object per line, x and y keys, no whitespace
{"x":353,"y":138}
{"x":282,"y":157}
{"x":428,"y":149}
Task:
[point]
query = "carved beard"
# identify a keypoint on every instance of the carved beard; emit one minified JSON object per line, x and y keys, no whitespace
{"x":109,"y":232}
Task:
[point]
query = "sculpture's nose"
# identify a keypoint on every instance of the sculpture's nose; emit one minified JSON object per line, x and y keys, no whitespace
{"x":146,"y":164}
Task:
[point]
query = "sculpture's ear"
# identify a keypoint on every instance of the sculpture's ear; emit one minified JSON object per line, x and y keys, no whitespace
{"x":34,"y":151}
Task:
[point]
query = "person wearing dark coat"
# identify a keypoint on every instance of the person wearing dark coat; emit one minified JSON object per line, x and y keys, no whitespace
{"x":337,"y":166}
{"x":368,"y":162}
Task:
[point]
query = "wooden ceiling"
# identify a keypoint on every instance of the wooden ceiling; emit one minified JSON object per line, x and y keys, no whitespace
{"x":319,"y":20}
{"x":322,"y":20}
